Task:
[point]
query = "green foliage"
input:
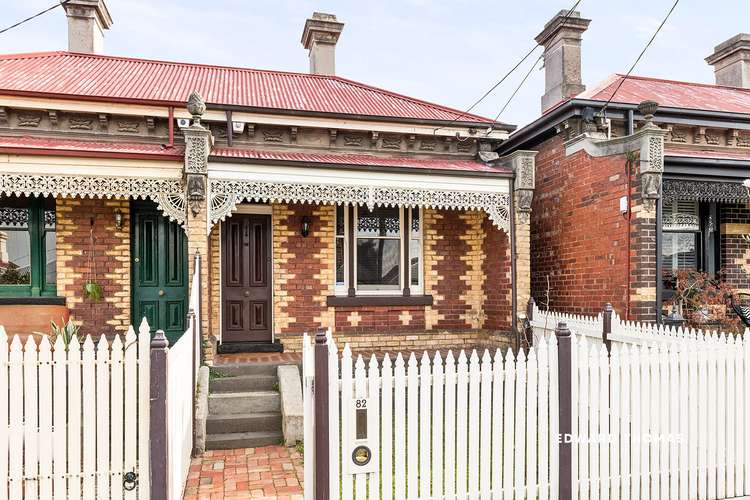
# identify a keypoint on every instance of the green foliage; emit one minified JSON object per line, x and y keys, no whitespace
{"x":65,"y":331}
{"x":93,"y":291}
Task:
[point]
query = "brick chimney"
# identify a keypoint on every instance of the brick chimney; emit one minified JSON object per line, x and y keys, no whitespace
{"x":87,"y":20}
{"x":319,"y":37}
{"x":731,"y":61}
{"x":561,"y":39}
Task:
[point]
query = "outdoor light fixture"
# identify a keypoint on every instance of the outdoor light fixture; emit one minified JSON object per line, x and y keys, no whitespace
{"x":118,"y":219}
{"x":305,"y":229}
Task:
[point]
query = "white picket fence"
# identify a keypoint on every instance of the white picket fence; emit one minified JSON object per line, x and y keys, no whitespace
{"x":590,"y":327}
{"x":440,"y":428}
{"x":183,"y":360}
{"x":663,"y":420}
{"x":74,"y":420}
{"x":662,"y":423}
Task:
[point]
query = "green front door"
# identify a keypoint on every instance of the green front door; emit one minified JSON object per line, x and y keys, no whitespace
{"x":159,"y":271}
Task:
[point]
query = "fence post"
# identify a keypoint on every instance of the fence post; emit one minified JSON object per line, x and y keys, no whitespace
{"x":158,"y":417}
{"x":564,"y":377}
{"x":607,"y":325}
{"x":322,"y":432}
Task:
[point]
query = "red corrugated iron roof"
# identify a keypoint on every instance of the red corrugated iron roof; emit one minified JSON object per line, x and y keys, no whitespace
{"x":358,"y":160}
{"x":671,"y":93}
{"x":66,"y":147}
{"x":124,"y":79}
{"x":707,"y":153}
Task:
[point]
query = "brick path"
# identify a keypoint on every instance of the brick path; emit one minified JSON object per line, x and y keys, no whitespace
{"x":268,"y":472}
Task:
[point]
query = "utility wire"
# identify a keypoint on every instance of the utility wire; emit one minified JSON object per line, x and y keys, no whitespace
{"x":19,"y":23}
{"x":501,"y":80}
{"x":531,"y":69}
{"x":604,"y":109}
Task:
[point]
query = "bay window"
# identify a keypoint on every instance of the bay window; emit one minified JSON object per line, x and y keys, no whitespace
{"x":27,"y":247}
{"x":378,"y":251}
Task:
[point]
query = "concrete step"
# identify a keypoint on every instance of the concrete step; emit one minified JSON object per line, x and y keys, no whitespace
{"x":244,"y":383}
{"x":244,"y":422}
{"x":245,"y":369}
{"x":232,"y":403}
{"x":235,"y":440}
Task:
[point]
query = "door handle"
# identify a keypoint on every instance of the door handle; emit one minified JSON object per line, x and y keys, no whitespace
{"x":247,"y":293}
{"x":162,"y":293}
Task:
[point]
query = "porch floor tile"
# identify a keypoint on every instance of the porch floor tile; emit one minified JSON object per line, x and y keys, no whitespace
{"x":276,"y":358}
{"x":267,"y":472}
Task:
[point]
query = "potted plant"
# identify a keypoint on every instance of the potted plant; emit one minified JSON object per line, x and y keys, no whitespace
{"x":91,"y":289}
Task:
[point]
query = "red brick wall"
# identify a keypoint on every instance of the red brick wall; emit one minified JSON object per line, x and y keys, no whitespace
{"x":455,"y":267}
{"x":111,"y":258}
{"x":450,"y":307}
{"x":497,"y":284}
{"x":579,"y":237}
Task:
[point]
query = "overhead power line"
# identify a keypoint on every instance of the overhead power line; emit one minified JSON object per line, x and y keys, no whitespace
{"x":513,"y":95}
{"x":504,"y":77}
{"x":19,"y":23}
{"x":604,"y":108}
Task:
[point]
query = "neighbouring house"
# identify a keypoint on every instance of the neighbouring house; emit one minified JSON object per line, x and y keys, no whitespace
{"x":314,"y":201}
{"x":627,"y":198}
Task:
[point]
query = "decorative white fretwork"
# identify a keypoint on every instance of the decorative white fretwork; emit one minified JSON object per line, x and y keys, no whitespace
{"x":169,"y":194}
{"x":225,"y":194}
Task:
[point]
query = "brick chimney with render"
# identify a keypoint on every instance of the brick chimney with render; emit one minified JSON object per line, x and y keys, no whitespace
{"x":731,"y":61}
{"x":561,"y":39}
{"x":87,"y":20}
{"x":319,"y":37}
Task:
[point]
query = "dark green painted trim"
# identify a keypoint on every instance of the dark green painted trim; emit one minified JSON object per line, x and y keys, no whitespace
{"x":38,"y":286}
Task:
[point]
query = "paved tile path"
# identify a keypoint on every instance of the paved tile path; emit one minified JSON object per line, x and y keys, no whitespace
{"x":268,"y":472}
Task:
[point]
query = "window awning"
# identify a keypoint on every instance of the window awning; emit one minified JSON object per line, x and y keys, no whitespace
{"x":231,"y":183}
{"x":702,"y":190}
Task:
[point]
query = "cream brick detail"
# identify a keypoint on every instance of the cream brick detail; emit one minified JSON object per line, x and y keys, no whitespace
{"x":281,"y":277}
{"x":431,"y":258}
{"x":405,"y":317}
{"x":354,"y":318}
{"x":473,"y":280}
{"x":523,"y":265}
{"x":327,"y":258}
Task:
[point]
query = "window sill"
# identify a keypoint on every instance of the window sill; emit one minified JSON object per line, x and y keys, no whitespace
{"x":32,"y":301}
{"x":378,"y":300}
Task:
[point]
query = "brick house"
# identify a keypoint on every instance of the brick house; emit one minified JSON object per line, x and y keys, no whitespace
{"x":314,"y":201}
{"x":626,"y":198}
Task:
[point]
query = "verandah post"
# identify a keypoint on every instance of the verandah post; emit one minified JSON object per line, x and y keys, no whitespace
{"x":158,"y":417}
{"x":607,"y":325}
{"x":565,"y":377}
{"x":322,"y":432}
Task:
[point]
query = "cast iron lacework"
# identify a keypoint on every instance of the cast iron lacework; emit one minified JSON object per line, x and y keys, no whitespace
{"x":169,"y":194}
{"x":225,"y":194}
{"x":680,"y":222}
{"x":14,"y":217}
{"x":378,"y":225}
{"x":723,"y":192}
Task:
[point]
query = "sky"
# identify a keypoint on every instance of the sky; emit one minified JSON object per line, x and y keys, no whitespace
{"x":447,"y":52}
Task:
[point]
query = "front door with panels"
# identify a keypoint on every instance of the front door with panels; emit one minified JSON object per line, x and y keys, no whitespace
{"x":246,"y":278}
{"x":159,"y":271}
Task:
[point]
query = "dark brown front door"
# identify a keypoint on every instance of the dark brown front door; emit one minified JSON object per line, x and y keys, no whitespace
{"x":246,"y":278}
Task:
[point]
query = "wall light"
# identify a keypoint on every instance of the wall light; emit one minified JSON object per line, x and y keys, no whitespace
{"x":305,"y":229}
{"x":118,"y":219}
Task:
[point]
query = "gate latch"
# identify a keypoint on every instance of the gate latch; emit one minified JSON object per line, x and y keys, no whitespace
{"x":130,"y":481}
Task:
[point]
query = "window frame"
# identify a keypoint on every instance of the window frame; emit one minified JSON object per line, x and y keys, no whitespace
{"x":351,"y":214}
{"x":38,"y":286}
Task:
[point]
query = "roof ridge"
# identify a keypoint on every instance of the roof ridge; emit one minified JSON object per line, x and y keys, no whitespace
{"x":680,"y":82}
{"x":31,"y":55}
